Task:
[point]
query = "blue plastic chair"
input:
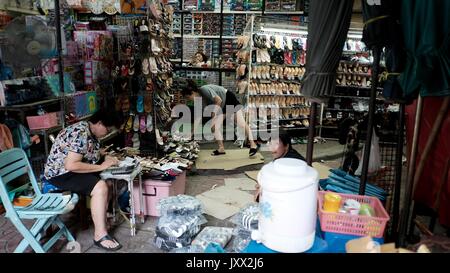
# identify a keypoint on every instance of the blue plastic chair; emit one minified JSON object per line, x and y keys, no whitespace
{"x":44,"y":208}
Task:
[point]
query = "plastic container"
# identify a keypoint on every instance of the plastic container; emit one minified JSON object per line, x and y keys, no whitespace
{"x":332,"y":202}
{"x":43,"y":122}
{"x":288,"y":205}
{"x":359,"y":225}
{"x":154,"y":190}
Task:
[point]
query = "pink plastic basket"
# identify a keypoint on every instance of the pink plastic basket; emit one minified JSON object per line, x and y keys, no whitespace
{"x":43,"y":122}
{"x":354,"y":224}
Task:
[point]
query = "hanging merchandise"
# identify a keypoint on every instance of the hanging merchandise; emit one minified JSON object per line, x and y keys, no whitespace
{"x":323,"y":57}
{"x":427,"y":30}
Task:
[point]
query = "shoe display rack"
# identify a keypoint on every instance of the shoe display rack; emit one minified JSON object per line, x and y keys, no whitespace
{"x":213,"y":27}
{"x":272,"y":76}
{"x":141,"y":70}
{"x":353,"y":84}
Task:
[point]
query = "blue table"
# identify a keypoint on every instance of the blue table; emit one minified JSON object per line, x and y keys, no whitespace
{"x":319,"y":246}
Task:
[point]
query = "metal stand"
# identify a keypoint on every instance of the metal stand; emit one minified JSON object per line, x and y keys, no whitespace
{"x":373,"y":94}
{"x":398,"y":172}
{"x":311,"y":133}
{"x":60,"y":60}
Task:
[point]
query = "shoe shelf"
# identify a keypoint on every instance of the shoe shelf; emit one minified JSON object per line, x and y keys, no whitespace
{"x":213,"y":69}
{"x":355,"y":74}
{"x":20,"y":107}
{"x":341,"y":110}
{"x":285,"y":12}
{"x":189,"y":36}
{"x":355,"y":62}
{"x":269,"y":81}
{"x":242,"y":12}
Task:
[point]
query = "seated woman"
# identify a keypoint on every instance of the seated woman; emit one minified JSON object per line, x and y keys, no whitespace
{"x":71,"y":166}
{"x":281,"y":147}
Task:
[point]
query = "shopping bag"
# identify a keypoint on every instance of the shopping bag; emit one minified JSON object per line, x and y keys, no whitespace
{"x":374,"y":159}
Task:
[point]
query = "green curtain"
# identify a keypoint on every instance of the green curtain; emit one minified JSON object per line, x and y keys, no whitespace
{"x":426,"y":28}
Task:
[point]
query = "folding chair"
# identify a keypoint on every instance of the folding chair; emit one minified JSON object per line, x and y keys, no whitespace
{"x":44,"y":208}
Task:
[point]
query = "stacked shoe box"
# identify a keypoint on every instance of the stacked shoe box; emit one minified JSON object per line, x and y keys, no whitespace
{"x":190,"y":47}
{"x":176,"y":24}
{"x":228,"y":51}
{"x":174,"y":3}
{"x":190,"y":5}
{"x":198,"y":24}
{"x":288,"y":5}
{"x":177,"y":48}
{"x":240,"y":22}
{"x":206,"y":5}
{"x":273,"y":5}
{"x":211,"y":24}
{"x":253,"y":5}
{"x":228,"y":25}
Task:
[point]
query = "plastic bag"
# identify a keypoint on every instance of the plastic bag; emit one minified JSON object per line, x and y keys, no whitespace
{"x":165,"y":242}
{"x":188,"y":249}
{"x":175,"y":226}
{"x":374,"y":159}
{"x":218,"y":235}
{"x":247,"y":217}
{"x":179,"y":205}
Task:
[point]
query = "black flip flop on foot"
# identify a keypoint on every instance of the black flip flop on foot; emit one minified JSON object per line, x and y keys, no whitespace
{"x":253,"y":151}
{"x":216,"y":152}
{"x":106,"y":238}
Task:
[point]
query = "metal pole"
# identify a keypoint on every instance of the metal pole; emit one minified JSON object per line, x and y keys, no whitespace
{"x":410,"y":178}
{"x":373,"y":94}
{"x":60,"y":60}
{"x":398,"y":171}
{"x":311,"y":133}
{"x":220,"y":42}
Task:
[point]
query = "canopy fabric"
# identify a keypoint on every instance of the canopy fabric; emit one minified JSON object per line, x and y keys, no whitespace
{"x":428,"y":185}
{"x":382,"y":28}
{"x":426,"y":27}
{"x":329,"y":21}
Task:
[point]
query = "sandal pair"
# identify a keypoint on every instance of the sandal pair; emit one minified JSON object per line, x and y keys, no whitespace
{"x":106,"y":238}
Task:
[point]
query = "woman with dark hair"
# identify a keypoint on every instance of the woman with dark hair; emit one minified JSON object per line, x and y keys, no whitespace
{"x":281,"y":147}
{"x":222,"y":98}
{"x":72,"y":165}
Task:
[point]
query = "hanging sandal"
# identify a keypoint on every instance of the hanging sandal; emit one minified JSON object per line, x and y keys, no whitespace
{"x":216,"y":152}
{"x":107,"y":237}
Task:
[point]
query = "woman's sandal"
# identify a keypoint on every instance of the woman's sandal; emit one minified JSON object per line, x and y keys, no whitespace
{"x":253,"y":151}
{"x":216,"y":152}
{"x":105,"y":238}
